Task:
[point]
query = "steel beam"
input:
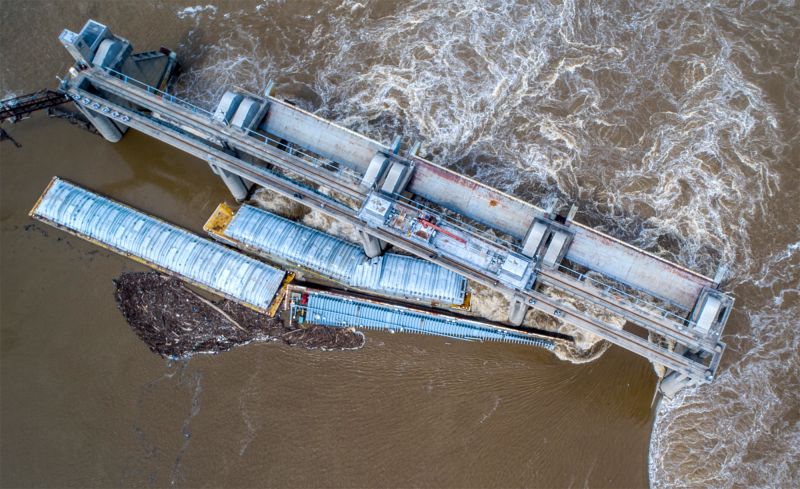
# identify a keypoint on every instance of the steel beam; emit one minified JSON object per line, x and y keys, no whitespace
{"x":202,"y":126}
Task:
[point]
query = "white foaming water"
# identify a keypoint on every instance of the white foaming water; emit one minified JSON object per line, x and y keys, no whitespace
{"x":197,"y":9}
{"x":662,"y":122}
{"x":748,"y":421}
{"x":743,"y":430}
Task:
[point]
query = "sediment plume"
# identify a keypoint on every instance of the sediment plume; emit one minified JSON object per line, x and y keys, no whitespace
{"x":585,"y":347}
{"x":282,"y":206}
{"x":329,"y":225}
{"x":176,"y":322}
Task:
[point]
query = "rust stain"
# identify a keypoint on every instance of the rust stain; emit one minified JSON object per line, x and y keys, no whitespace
{"x":445,"y":174}
{"x":219,"y":220}
{"x":493,"y":203}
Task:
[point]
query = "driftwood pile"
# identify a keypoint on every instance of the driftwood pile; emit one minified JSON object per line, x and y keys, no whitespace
{"x":74,"y":118}
{"x":175,"y":321}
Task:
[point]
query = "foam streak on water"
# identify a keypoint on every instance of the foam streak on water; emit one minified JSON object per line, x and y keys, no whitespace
{"x":672,"y":125}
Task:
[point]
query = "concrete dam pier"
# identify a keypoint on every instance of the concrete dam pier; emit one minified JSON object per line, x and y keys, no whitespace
{"x":396,"y":198}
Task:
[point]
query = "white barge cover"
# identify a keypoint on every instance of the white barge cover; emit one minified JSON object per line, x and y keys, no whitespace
{"x":158,"y":244}
{"x":390,"y":274}
{"x":335,"y":310}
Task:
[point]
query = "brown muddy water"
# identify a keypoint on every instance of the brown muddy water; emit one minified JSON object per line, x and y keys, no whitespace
{"x":673,"y":126}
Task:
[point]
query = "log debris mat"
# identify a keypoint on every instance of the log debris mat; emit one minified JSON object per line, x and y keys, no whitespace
{"x":176,"y":322}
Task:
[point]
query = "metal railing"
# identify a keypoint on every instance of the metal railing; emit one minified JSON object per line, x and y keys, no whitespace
{"x":459,"y":224}
{"x":357,"y":321}
{"x":387,"y":326}
{"x":301,"y":153}
{"x":638,"y":301}
{"x":514,"y":247}
{"x":171,"y":127}
{"x":609,"y":289}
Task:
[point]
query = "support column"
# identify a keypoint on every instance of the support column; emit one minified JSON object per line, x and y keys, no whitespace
{"x":516,"y":310}
{"x":536,"y":235}
{"x":415,"y":146}
{"x":103,"y":124}
{"x":672,"y":383}
{"x":235,"y":183}
{"x":557,"y":248}
{"x":372,"y":246}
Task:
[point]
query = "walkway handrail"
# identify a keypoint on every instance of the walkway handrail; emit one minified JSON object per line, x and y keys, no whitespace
{"x":636,"y":300}
{"x":172,"y":99}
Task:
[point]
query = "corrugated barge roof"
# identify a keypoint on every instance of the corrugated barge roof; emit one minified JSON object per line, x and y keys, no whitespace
{"x":331,"y":309}
{"x":390,"y":274}
{"x":275,"y":235}
{"x":158,"y":244}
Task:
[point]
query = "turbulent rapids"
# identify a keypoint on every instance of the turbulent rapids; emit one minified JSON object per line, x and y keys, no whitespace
{"x":684,"y":115}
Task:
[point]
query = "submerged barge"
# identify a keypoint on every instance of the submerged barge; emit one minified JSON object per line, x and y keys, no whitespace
{"x":330,"y":308}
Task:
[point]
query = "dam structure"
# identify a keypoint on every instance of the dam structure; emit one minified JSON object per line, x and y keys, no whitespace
{"x":394,"y":197}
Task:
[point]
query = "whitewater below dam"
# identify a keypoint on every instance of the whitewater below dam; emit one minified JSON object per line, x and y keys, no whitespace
{"x":673,"y":126}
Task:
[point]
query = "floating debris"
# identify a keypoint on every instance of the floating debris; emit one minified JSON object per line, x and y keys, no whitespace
{"x":74,"y":118}
{"x":177,"y":322}
{"x":4,"y":136}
